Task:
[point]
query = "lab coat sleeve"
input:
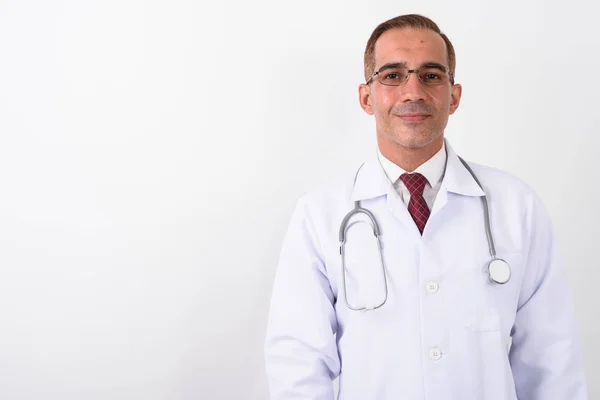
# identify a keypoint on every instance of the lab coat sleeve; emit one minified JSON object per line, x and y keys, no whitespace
{"x":545,"y":355}
{"x":300,"y":347}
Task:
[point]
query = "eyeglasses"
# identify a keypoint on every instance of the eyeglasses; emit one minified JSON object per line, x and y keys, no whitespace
{"x":397,"y":75}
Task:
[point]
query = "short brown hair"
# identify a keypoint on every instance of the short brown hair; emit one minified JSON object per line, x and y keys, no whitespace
{"x":405,"y":21}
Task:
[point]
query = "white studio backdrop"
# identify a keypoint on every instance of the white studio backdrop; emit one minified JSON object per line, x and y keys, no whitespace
{"x":151,"y":154}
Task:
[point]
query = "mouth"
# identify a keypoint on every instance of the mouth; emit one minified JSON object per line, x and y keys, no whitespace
{"x":413,"y":117}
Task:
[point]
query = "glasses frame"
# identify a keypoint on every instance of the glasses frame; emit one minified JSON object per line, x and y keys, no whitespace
{"x":410,"y":71}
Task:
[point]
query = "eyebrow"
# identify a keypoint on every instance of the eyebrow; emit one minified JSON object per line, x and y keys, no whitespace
{"x":404,"y":64}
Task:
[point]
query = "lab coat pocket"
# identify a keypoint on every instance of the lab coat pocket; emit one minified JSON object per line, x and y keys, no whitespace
{"x":485,"y":355}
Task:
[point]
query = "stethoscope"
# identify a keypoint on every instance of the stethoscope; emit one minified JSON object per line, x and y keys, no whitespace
{"x":498,"y":269}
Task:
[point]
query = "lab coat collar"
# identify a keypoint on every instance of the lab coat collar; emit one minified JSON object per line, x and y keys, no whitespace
{"x":371,"y":180}
{"x":457,"y":178}
{"x":432,"y":169}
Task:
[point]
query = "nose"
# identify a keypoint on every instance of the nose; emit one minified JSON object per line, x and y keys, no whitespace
{"x":413,"y":89}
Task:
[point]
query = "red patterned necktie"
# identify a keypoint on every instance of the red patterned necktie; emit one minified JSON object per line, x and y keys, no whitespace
{"x":417,"y":207}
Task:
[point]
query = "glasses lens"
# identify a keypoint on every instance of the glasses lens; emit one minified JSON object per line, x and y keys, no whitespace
{"x":433,"y":76}
{"x":393,"y":76}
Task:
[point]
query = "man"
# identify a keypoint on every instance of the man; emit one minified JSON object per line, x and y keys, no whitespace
{"x":425,"y":315}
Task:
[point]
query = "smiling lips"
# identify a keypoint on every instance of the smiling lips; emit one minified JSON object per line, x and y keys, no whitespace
{"x":413,"y":117}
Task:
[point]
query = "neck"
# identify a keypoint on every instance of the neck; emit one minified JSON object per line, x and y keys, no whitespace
{"x":407,"y":158}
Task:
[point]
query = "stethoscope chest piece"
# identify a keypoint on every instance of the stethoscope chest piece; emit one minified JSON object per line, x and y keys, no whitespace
{"x":499,"y":271}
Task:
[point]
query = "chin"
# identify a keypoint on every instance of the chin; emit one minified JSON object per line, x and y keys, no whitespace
{"x":416,"y":138}
{"x":414,"y":142}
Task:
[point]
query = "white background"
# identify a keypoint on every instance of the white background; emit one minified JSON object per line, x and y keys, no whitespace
{"x":151,"y":154}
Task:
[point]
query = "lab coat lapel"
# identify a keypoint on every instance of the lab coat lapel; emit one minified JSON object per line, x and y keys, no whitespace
{"x":371,"y":182}
{"x":397,"y":207}
{"x":457,"y":179}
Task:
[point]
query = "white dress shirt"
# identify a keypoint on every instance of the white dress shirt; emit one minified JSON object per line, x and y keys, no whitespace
{"x":432,"y":170}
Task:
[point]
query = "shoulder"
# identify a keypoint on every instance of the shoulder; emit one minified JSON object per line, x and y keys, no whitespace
{"x":507,"y":190}
{"x":326,"y":197}
{"x":497,"y":180}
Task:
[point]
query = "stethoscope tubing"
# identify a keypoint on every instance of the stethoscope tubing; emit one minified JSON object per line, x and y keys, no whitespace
{"x":495,"y":263}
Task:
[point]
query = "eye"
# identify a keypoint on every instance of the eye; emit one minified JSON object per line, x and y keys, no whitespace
{"x":393,"y":76}
{"x":432,"y":76}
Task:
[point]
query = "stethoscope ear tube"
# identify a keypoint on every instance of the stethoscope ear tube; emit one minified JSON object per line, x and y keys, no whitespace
{"x":376,"y":232}
{"x":358,"y":210}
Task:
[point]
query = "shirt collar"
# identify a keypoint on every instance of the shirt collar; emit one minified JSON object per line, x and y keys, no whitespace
{"x":371,"y":180}
{"x":432,"y":169}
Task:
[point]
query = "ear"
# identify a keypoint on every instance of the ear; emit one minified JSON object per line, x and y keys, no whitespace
{"x":364,"y":97}
{"x":456,"y":93}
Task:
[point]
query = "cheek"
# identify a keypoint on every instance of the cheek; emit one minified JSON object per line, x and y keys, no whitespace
{"x":448,"y":101}
{"x":382,"y":104}
{"x":442,"y":104}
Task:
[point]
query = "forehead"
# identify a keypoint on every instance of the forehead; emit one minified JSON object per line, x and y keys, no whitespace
{"x":415,"y":46}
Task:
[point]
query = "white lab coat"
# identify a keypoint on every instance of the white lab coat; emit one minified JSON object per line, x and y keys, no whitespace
{"x":445,"y":330}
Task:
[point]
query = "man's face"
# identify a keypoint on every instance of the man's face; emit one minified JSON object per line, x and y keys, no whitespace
{"x":412,"y":115}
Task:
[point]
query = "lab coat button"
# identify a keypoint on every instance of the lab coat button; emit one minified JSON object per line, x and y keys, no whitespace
{"x":432,"y":287}
{"x":435,"y":354}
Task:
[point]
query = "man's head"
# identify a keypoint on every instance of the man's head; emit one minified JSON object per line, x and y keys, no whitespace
{"x":409,"y":113}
